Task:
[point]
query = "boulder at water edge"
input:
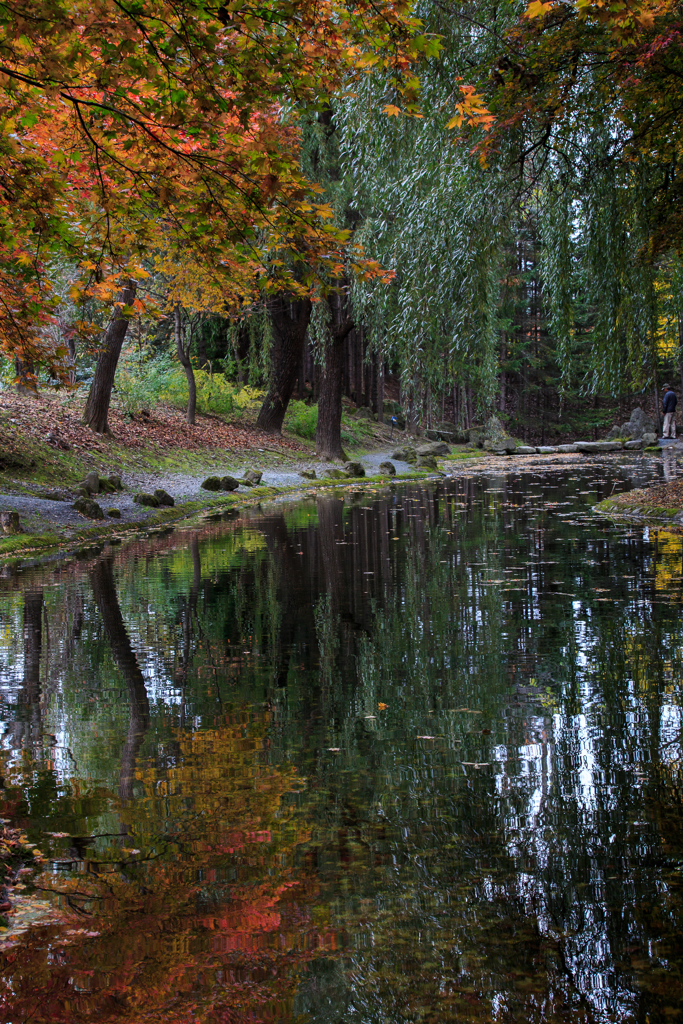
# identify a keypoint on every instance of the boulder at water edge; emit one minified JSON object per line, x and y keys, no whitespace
{"x":633,"y":446}
{"x":335,"y":474}
{"x":547,"y":449}
{"x":308,"y":474}
{"x":228,"y":483}
{"x":251,"y":478}
{"x":164,"y":498}
{"x":426,"y":462}
{"x":212,"y":483}
{"x":387,"y":469}
{"x":524,"y":449}
{"x":567,"y":449}
{"x":354,"y":469}
{"x":88,"y":507}
{"x":142,"y":498}
{"x":598,"y":447}
{"x":639,"y":424}
{"x":649,"y":439}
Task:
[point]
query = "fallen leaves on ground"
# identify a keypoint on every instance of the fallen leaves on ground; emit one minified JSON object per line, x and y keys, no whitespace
{"x":164,"y":430}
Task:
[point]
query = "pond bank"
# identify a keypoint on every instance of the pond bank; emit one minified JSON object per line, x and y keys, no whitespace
{"x":57,"y":531}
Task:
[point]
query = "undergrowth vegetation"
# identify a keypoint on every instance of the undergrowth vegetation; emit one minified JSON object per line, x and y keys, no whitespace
{"x":142,"y":383}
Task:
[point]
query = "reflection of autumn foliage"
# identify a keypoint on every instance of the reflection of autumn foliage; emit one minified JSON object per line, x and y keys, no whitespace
{"x":201,"y":914}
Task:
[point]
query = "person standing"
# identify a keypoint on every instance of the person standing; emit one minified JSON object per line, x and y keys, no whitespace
{"x":669,"y":403}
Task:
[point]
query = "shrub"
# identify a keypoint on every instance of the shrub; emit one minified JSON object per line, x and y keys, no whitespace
{"x":140,"y":384}
{"x":302,"y":419}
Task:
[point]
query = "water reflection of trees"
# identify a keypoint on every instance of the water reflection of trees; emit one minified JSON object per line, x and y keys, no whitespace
{"x":513,"y":863}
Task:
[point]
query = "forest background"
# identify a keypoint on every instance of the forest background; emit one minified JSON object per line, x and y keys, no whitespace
{"x":431,"y":210}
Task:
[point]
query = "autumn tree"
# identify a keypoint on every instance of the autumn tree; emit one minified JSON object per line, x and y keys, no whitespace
{"x":117,"y":121}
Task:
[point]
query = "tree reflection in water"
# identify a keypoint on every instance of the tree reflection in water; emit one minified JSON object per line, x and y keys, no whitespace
{"x":398,"y":756}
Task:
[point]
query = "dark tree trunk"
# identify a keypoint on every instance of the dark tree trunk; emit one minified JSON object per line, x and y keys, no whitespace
{"x":240,"y":348}
{"x":380,"y":389}
{"x":106,"y":599}
{"x":290,"y":318}
{"x":328,"y":431}
{"x":202,"y":354}
{"x":96,"y":413}
{"x":358,"y":370}
{"x":183,"y":351}
{"x":27,"y":383}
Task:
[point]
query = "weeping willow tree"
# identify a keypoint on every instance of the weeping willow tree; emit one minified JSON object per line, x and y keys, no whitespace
{"x":530,"y":262}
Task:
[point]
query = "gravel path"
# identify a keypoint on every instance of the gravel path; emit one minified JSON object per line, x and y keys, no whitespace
{"x":37,"y":513}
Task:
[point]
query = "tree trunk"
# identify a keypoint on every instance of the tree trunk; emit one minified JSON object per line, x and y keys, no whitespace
{"x":27,"y":383}
{"x":328,"y":431}
{"x":184,"y":357}
{"x":358,"y":372}
{"x":97,"y":407}
{"x":380,"y":389}
{"x":202,"y":354}
{"x":240,"y":348}
{"x":290,"y":318}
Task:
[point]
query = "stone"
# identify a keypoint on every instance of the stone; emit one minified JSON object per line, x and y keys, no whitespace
{"x":648,"y":439}
{"x":142,"y":498}
{"x":364,"y":413}
{"x":9,"y":521}
{"x":407,"y":454}
{"x":336,"y":474}
{"x":88,"y":507}
{"x":251,"y":478}
{"x":106,"y":487}
{"x":114,"y":513}
{"x":435,"y":448}
{"x":494,"y":428}
{"x":387,"y":469}
{"x":55,"y":495}
{"x":639,"y":424}
{"x":354,"y":469}
{"x":547,"y":449}
{"x":598,"y":447}
{"x":164,"y":498}
{"x":91,"y":483}
{"x":524,"y":449}
{"x":227,"y":483}
{"x":633,"y":446}
{"x":212,"y":483}
{"x":308,"y":474}
{"x":566,"y":449}
{"x":115,"y":481}
{"x":501,"y":446}
{"x":426,"y":462}
{"x":476,"y":438}
{"x":614,"y":432}
{"x":449,"y":427}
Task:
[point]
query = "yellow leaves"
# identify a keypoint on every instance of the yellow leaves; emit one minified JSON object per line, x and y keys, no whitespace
{"x":472,"y":110}
{"x":391,"y":110}
{"x":537,"y":9}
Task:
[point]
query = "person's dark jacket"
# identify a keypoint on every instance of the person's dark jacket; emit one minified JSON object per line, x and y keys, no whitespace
{"x":669,"y":402}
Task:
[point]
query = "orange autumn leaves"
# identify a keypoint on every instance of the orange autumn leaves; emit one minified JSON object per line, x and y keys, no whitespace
{"x":126,"y":128}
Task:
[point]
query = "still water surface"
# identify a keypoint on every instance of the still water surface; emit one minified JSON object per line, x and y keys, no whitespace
{"x":410,"y":754}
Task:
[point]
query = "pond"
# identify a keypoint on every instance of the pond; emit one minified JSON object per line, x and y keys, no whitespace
{"x":392,"y":754}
